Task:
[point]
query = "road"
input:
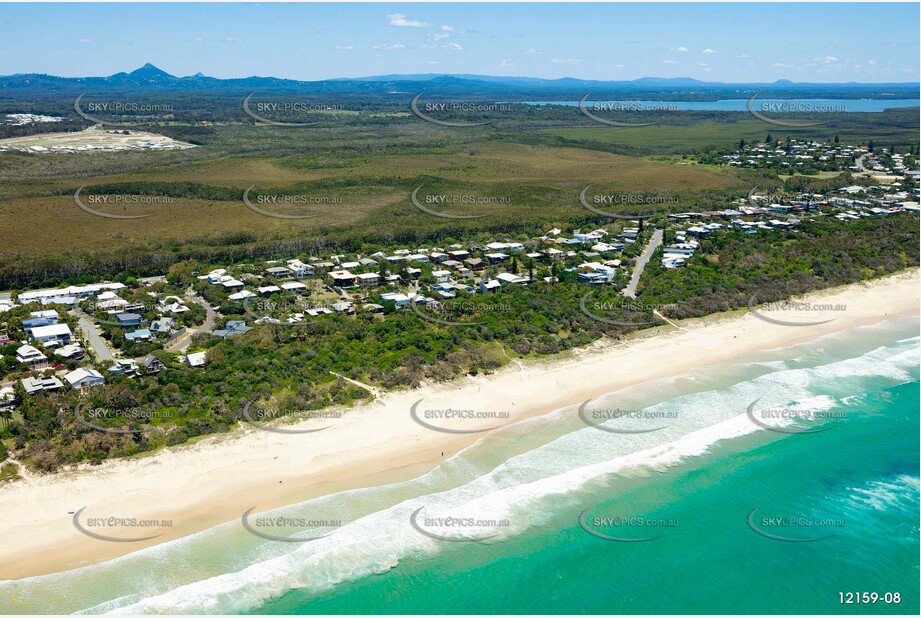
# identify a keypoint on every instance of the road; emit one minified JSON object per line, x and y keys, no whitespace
{"x":211,"y":317}
{"x":103,"y":353}
{"x":641,"y":262}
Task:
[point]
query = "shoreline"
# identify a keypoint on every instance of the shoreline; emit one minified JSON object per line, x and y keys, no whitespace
{"x":216,"y":479}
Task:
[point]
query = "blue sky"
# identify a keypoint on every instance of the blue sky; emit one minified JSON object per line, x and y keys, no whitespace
{"x":818,"y":42}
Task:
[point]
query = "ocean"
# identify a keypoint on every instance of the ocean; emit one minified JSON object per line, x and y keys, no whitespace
{"x":681,"y":502}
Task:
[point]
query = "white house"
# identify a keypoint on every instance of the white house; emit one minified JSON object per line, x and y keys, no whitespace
{"x":31,"y":357}
{"x":196,"y":359}
{"x":509,"y":278}
{"x":59,"y":333}
{"x":84,"y":377}
{"x":368,"y":278}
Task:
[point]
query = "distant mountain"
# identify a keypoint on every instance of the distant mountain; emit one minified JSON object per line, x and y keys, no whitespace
{"x":151,"y":78}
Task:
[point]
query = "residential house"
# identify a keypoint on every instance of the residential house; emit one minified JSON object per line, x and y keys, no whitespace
{"x":72,"y":351}
{"x":400,"y":300}
{"x":196,"y":359}
{"x":368,"y":279}
{"x":40,"y":384}
{"x":141,"y":334}
{"x":299,"y":269}
{"x":474,"y":264}
{"x":126,"y":320}
{"x":342,"y":278}
{"x":295,"y":287}
{"x":495,"y":258}
{"x":31,"y":357}
{"x":163,"y":325}
{"x":233,"y":327}
{"x":268,"y":290}
{"x":84,"y":377}
{"x":278,"y":271}
{"x":124,"y":367}
{"x":53,"y":334}
{"x":490,"y":286}
{"x":509,"y":279}
{"x":151,"y":365}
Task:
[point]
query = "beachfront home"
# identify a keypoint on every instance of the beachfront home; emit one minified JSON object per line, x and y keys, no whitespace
{"x":84,"y":378}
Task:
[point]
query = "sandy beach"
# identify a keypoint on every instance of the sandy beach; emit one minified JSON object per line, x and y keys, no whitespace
{"x":218,"y":478}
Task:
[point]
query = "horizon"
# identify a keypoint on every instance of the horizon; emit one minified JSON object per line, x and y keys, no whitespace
{"x":870,"y":43}
{"x":435,"y":75}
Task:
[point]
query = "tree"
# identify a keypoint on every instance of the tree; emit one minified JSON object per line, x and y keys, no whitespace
{"x":837,"y":139}
{"x":870,"y":146}
{"x":741,"y":144}
{"x":768,"y":139}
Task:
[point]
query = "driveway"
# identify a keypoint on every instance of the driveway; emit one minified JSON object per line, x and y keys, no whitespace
{"x":641,"y":262}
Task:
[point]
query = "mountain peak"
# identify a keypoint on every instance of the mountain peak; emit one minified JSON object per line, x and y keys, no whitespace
{"x":149,"y":70}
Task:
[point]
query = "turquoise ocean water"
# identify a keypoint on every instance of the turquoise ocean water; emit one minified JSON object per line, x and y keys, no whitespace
{"x":845,"y":501}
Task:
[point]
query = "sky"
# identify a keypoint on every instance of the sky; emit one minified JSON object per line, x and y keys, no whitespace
{"x":763,"y":42}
